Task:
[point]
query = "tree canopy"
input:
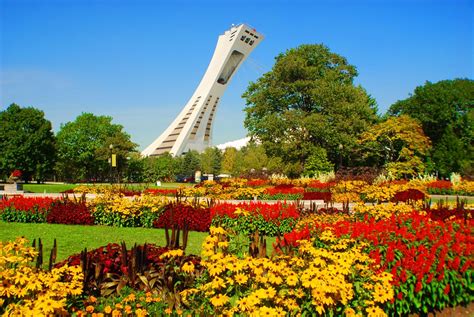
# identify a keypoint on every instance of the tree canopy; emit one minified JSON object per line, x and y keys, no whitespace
{"x":446,"y":112}
{"x":27,"y":143}
{"x":308,"y":100}
{"x":398,"y":144}
{"x":86,"y":145}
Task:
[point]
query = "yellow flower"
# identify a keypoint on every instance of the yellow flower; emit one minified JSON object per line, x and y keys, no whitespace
{"x":172,"y":253}
{"x":241,"y":278}
{"x":374,"y":311}
{"x":107,"y":309}
{"x":188,"y":267}
{"x":219,"y":300}
{"x":116,"y":313}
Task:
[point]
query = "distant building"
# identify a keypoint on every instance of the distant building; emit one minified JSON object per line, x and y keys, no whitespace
{"x":192,"y":128}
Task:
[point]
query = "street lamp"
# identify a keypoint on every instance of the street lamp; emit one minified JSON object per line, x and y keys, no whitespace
{"x":113,"y":161}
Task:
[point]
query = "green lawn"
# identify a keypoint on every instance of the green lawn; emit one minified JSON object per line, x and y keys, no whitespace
{"x":451,"y":199}
{"x":47,"y":188}
{"x":73,"y":239}
{"x":57,"y":188}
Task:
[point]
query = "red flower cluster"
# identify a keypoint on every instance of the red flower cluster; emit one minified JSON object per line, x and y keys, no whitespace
{"x":16,"y":173}
{"x":319,"y":186}
{"x":162,"y":192}
{"x":414,"y":248}
{"x":194,"y":218}
{"x":257,"y":182}
{"x":440,"y":187}
{"x":292,"y":238}
{"x":29,"y":204}
{"x":269,"y":212}
{"x":284,"y":189}
{"x":69,"y":212}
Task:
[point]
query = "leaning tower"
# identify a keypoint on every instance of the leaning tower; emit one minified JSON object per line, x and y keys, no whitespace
{"x":192,"y":128}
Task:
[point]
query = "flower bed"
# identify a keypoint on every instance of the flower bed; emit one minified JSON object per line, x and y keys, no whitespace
{"x":431,"y":261}
{"x":247,"y":218}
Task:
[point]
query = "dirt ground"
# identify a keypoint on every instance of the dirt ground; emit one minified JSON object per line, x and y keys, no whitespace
{"x":458,"y":311}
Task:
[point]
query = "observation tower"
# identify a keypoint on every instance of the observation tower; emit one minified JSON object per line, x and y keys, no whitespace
{"x":192,"y":128}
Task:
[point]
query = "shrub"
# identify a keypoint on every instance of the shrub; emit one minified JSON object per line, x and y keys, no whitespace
{"x":70,"y":213}
{"x":180,"y":215}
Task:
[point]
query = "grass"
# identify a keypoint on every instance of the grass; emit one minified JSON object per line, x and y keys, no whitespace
{"x":58,"y":188}
{"x":47,"y":188}
{"x":72,"y":239}
{"x":450,"y":199}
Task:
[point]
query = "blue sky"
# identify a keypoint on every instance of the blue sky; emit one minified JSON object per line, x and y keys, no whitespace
{"x":140,"y":61}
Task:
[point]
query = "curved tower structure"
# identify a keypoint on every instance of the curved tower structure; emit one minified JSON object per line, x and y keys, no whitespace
{"x":192,"y":128}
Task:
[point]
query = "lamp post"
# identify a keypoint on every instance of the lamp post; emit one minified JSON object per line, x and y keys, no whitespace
{"x":112,"y":161}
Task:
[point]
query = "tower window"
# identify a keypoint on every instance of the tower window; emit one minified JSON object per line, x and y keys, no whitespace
{"x":229,"y":68}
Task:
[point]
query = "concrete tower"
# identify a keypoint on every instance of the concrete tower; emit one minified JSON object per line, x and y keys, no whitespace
{"x":192,"y":128}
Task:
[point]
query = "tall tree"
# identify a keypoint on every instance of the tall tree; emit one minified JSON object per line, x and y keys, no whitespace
{"x":308,"y":100}
{"x":211,"y":160}
{"x":228,"y":160}
{"x":85,"y":147}
{"x":160,"y":168}
{"x":398,"y":144}
{"x":252,"y":160}
{"x":446,"y":112}
{"x":188,"y":164}
{"x":27,"y":143}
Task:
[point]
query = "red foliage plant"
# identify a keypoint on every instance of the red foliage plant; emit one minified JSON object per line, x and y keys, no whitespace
{"x":408,"y":195}
{"x":69,"y":212}
{"x":110,"y":258}
{"x":182,"y":216}
{"x":326,"y":196}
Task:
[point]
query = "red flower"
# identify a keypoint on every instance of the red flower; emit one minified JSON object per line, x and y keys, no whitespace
{"x":418,"y":286}
{"x":447,"y":289}
{"x":16,"y":174}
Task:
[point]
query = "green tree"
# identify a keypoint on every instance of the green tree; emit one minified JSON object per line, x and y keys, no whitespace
{"x":135,"y":171}
{"x":86,"y":145}
{"x":228,"y":160}
{"x":160,"y":168}
{"x":446,"y":112}
{"x":398,"y":144}
{"x":211,"y":160}
{"x":188,"y":164}
{"x":27,"y":143}
{"x":252,"y":160}
{"x":308,"y":100}
{"x":317,"y":163}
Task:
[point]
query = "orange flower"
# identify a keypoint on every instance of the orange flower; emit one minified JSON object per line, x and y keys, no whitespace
{"x":90,"y":309}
